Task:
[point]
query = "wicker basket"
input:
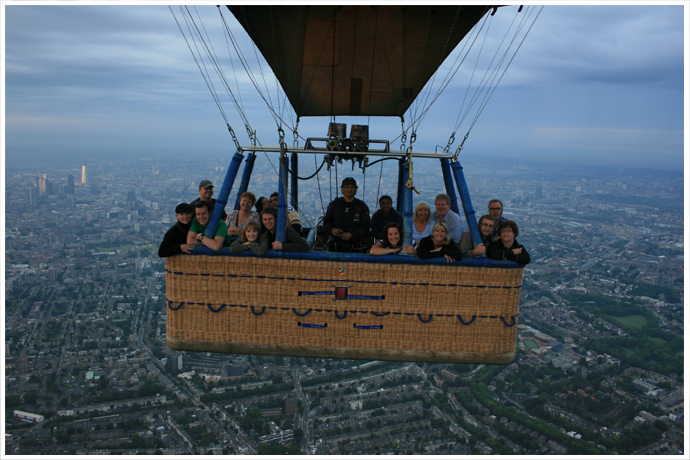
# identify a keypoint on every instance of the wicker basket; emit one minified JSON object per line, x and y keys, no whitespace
{"x":343,"y":309}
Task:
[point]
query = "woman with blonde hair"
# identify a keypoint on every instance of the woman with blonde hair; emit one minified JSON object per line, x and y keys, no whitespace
{"x":238,"y":219}
{"x":439,"y":244}
{"x":421,"y":225}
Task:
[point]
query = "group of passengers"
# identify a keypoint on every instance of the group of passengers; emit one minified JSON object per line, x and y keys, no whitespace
{"x":437,"y":234}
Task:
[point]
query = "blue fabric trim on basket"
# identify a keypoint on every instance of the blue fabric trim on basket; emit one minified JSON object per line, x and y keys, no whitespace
{"x":370,"y":297}
{"x":212,"y":309}
{"x":316,"y":293}
{"x":514,"y":320}
{"x":317,"y":326}
{"x":470,"y":322}
{"x":345,"y":312}
{"x":368,"y":327}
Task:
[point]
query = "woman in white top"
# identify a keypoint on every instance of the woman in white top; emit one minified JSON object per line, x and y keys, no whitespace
{"x":239,"y":218}
{"x":421,"y":227}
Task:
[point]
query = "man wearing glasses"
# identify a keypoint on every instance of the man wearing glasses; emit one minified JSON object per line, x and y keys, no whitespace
{"x":496,"y":211}
{"x":486,"y":226}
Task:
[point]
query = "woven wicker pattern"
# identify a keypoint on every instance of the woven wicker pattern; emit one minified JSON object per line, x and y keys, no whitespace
{"x":394,"y":311}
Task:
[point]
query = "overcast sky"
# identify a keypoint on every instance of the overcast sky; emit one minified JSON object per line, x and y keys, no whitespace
{"x":591,"y":85}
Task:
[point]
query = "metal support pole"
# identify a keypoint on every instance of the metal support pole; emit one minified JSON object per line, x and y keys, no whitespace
{"x":282,"y":207}
{"x":466,"y":203}
{"x":222,"y":199}
{"x":401,"y":185}
{"x":450,"y":189}
{"x":406,"y":208}
{"x":246,"y":175}
{"x":293,"y":180}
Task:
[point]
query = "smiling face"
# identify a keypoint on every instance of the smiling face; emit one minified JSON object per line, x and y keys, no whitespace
{"x":486,"y":226}
{"x":423,"y":214}
{"x":439,"y":234}
{"x":184,"y":217}
{"x":507,"y":236}
{"x":386,"y":206}
{"x":206,"y":193}
{"x":251,"y":234}
{"x":269,"y":221}
{"x":202,"y":215}
{"x":442,"y":208}
{"x":246,"y":204}
{"x":393,"y":236}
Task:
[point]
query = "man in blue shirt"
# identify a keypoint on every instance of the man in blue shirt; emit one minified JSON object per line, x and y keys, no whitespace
{"x":496,"y":211}
{"x":443,"y":213}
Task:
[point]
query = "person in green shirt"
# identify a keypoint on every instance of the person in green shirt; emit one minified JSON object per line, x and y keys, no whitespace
{"x":196,"y":234}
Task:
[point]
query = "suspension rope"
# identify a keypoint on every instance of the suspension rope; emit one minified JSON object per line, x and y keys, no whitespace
{"x":318,"y":183}
{"x":467,"y":46}
{"x":378,"y":190}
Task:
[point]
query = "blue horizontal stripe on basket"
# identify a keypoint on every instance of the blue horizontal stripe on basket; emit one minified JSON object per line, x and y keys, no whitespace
{"x":368,"y":327}
{"x":316,"y":326}
{"x":345,"y":312}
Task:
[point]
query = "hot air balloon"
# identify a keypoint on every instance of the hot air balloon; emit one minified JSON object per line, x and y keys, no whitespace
{"x":341,"y":61}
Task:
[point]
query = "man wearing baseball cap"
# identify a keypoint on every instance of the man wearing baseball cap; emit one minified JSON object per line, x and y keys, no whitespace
{"x":205,"y":194}
{"x":347,"y":219}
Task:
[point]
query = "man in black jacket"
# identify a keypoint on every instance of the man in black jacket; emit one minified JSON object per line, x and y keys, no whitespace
{"x":175,"y":240}
{"x":205,"y":194}
{"x":347,"y":219}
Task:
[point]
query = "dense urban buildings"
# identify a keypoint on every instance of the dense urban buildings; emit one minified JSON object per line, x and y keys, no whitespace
{"x":599,"y":368}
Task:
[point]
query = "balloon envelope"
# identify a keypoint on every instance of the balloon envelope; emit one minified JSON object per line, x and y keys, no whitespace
{"x":355,"y":60}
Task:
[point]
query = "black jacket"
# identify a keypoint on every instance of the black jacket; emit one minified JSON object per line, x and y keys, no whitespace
{"x":426,"y":245}
{"x":176,"y":236}
{"x":355,"y":221}
{"x":497,"y":251}
{"x":293,"y":241}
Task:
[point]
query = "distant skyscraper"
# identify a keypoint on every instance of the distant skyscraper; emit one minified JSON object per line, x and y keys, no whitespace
{"x":33,"y":197}
{"x":84,"y":174}
{"x":42,"y":185}
{"x":70,"y":184}
{"x":540,"y":191}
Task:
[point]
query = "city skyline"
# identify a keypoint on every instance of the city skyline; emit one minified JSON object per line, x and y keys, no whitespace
{"x":97,"y":80}
{"x":599,"y":368}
